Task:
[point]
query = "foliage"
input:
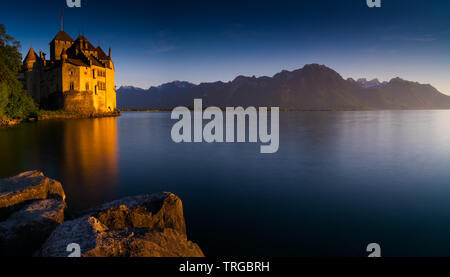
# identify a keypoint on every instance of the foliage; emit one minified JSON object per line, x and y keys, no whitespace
{"x":3,"y":100}
{"x":14,"y":101}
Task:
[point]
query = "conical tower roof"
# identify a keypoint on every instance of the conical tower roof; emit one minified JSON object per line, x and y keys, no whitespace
{"x":31,"y":56}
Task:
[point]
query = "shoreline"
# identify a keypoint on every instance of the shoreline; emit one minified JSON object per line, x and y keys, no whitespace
{"x":10,"y":122}
{"x":292,"y":110}
{"x":5,"y":123}
{"x":56,"y":116}
{"x":34,"y":223}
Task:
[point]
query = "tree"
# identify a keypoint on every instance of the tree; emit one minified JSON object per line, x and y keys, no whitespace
{"x":3,"y":100}
{"x":14,"y":101}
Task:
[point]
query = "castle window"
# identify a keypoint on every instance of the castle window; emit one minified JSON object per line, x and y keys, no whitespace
{"x":101,"y":85}
{"x":72,"y":86}
{"x":87,"y":86}
{"x":93,"y":73}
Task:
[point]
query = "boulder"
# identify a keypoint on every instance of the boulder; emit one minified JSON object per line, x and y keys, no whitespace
{"x":28,"y":186}
{"x":140,"y":226}
{"x":25,"y":230}
{"x":31,"y":207}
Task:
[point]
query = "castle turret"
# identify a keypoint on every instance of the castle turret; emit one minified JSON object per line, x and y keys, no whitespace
{"x":30,"y":60}
{"x":42,"y":58}
{"x":31,"y":74}
{"x":61,"y":41}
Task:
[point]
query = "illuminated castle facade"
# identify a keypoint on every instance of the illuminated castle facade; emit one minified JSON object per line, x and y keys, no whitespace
{"x":77,"y":77}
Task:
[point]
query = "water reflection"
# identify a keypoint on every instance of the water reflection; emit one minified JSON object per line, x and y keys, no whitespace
{"x":89,"y":164}
{"x":339,"y":181}
{"x":82,"y":154}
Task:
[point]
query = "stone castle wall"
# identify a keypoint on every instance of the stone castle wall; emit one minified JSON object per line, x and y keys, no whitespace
{"x":82,"y":102}
{"x":85,"y":102}
{"x":82,"y":91}
{"x":73,"y":88}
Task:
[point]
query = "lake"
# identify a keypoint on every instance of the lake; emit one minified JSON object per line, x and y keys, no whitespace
{"x":340,"y":180}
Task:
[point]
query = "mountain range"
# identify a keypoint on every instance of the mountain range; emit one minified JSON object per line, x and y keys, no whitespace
{"x":313,"y":87}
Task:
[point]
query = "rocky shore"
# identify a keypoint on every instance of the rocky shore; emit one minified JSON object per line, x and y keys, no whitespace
{"x":32,"y":223}
{"x":57,"y":116}
{"x":75,"y":115}
{"x":10,"y":122}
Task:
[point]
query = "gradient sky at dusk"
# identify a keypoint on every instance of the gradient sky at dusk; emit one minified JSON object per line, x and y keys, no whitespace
{"x":154,"y":42}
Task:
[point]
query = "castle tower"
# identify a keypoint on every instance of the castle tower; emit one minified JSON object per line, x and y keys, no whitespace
{"x":64,"y":55}
{"x":61,"y":41}
{"x":30,"y":60}
{"x":31,"y":74}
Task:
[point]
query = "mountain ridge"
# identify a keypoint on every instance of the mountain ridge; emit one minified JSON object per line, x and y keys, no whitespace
{"x":313,"y":87}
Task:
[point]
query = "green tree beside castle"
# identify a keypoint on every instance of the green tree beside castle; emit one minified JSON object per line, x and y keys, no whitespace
{"x":14,"y":100}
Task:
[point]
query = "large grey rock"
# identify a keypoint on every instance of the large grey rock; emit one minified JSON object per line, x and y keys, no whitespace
{"x":25,"y":230}
{"x":28,"y":186}
{"x":141,"y":226}
{"x":31,"y":206}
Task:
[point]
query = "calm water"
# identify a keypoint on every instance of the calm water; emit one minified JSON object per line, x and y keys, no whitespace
{"x":340,"y":180}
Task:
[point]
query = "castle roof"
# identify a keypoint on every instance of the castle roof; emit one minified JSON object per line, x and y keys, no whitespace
{"x":62,"y":36}
{"x":96,"y":62}
{"x":31,"y":56}
{"x":84,"y":43}
{"x":77,"y":62}
{"x":101,"y":54}
{"x":81,"y":37}
{"x":80,"y":53}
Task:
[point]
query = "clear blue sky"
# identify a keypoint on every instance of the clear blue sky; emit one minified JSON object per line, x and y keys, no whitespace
{"x":154,"y":42}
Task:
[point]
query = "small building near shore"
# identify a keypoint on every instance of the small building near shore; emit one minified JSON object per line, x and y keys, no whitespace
{"x":77,"y":77}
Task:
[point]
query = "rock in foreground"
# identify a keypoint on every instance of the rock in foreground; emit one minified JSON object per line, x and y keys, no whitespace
{"x":31,"y":207}
{"x":141,"y":226}
{"x":28,"y":186}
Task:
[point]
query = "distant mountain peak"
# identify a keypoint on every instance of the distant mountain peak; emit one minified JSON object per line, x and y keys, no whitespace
{"x":313,"y":87}
{"x":240,"y":78}
{"x":316,"y":66}
{"x":364,"y":83}
{"x":125,"y":87}
{"x":177,"y":84}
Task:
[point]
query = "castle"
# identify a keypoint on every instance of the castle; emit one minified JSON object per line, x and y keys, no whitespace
{"x":77,"y":77}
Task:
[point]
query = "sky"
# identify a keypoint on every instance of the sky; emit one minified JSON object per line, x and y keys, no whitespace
{"x":155,"y":42}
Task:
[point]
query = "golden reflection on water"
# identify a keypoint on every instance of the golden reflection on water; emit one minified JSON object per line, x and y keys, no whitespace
{"x":89,"y":165}
{"x":81,"y":154}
